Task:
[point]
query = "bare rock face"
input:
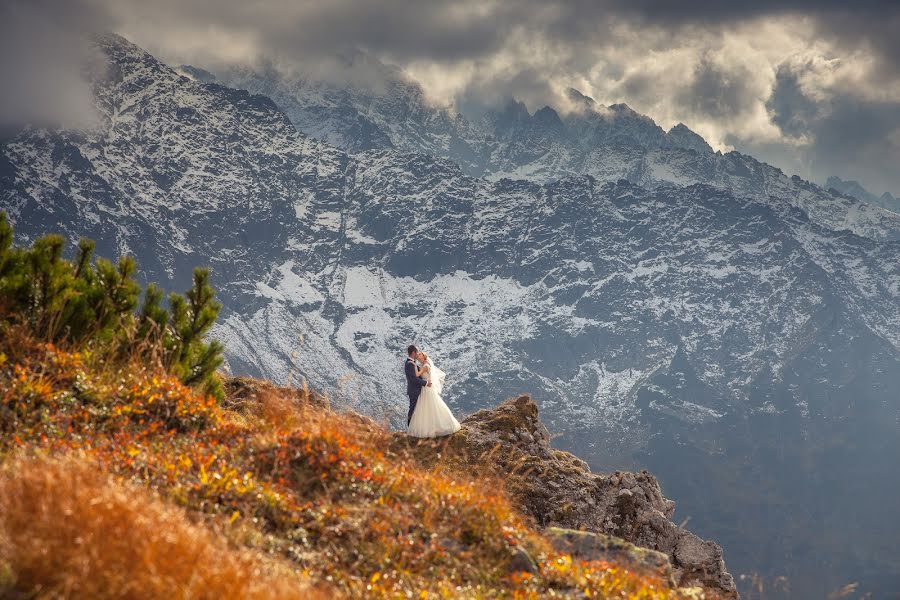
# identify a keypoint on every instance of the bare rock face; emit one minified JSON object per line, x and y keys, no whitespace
{"x":586,"y":545}
{"x":559,"y":490}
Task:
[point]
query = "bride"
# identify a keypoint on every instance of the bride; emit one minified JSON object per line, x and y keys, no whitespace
{"x":431,"y":417}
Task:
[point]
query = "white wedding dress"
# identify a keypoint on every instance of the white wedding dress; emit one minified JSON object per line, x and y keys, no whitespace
{"x":432,"y":418}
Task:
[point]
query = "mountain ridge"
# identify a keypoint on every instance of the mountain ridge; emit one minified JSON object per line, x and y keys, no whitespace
{"x":564,"y":493}
{"x":609,"y":143}
{"x":853,"y":188}
{"x":121,"y":477}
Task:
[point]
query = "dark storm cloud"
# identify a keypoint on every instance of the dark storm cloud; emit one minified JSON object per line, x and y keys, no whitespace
{"x":448,"y":31}
{"x":791,"y":109}
{"x":420,"y":29}
{"x":720,"y":10}
{"x":437,"y":30}
{"x":872,"y":24}
{"x":717,"y":91}
{"x":858,"y":139}
{"x":876,"y":30}
{"x":42,"y":52}
{"x":851,"y":136}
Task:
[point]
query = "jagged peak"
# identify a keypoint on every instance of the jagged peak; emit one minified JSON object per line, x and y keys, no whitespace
{"x":854,"y":189}
{"x":624,"y":112}
{"x":580,"y":99}
{"x":117,"y":46}
{"x":121,"y":51}
{"x":517,"y":107}
{"x":510,"y":115}
{"x":684,"y":137}
{"x":839,"y":183}
{"x":622,"y":108}
{"x":110,"y":39}
{"x":547,"y":116}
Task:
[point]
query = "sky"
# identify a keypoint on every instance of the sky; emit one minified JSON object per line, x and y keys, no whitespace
{"x":812,"y":87}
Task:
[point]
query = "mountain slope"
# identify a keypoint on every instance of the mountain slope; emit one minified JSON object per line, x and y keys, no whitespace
{"x":116,"y":480}
{"x":733,"y":339}
{"x":174,"y":172}
{"x":853,"y":188}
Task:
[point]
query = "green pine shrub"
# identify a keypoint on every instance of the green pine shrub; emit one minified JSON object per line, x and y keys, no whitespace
{"x":97,"y":303}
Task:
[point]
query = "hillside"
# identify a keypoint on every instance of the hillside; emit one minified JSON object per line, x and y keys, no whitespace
{"x":736,"y":334}
{"x":122,"y":475}
{"x":280,"y":498}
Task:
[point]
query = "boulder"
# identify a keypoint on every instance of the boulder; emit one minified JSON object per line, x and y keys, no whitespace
{"x":586,"y":545}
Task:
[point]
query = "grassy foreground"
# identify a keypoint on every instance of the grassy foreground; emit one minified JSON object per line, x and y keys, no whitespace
{"x":126,"y":471}
{"x":119,"y":481}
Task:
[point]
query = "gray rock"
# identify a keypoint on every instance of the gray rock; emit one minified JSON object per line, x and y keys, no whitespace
{"x":586,"y":545}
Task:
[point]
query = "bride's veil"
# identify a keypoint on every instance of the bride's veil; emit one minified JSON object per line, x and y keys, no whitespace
{"x":437,"y":377}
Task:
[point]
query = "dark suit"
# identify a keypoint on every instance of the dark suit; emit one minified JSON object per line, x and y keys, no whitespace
{"x":414,"y":385}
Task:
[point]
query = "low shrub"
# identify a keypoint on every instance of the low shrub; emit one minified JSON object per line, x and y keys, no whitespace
{"x":96,"y":304}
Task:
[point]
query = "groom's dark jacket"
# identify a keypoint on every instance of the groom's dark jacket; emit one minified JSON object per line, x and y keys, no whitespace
{"x":414,"y":385}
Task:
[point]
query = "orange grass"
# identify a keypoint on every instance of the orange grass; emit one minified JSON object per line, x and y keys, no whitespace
{"x":310,"y":486}
{"x":67,"y":530}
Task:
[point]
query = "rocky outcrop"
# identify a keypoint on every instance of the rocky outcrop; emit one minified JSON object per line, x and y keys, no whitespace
{"x":559,"y":490}
{"x":619,"y":517}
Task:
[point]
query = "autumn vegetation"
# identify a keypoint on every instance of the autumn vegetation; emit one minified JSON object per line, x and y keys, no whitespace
{"x":127,"y":469}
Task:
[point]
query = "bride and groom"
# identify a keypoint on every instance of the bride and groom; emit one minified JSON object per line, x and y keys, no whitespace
{"x":428,"y":416}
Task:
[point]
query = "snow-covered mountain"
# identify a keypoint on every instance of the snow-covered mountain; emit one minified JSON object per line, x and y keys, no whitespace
{"x":389,"y":110}
{"x":731,"y":335}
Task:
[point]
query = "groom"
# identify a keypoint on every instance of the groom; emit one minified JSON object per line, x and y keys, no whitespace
{"x":414,"y":383}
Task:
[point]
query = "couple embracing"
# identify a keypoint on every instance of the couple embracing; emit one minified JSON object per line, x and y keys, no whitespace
{"x":428,"y":416}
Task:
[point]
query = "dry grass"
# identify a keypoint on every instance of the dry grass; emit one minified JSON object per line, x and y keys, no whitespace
{"x":275,"y":471}
{"x":68,"y":531}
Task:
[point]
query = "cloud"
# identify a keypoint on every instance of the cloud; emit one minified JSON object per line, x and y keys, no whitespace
{"x":776,"y":78}
{"x":791,"y":110}
{"x":42,"y":55}
{"x":852,"y":135}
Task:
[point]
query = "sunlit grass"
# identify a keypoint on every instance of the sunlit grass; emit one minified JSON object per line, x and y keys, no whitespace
{"x":67,"y":530}
{"x":318,"y":492}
